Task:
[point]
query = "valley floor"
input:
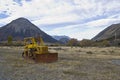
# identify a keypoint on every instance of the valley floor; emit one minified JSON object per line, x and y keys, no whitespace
{"x":90,"y":63}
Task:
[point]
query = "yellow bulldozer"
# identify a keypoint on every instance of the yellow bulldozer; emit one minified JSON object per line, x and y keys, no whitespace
{"x":36,"y":50}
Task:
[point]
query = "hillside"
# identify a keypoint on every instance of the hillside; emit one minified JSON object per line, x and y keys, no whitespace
{"x":109,"y":33}
{"x":21,"y":28}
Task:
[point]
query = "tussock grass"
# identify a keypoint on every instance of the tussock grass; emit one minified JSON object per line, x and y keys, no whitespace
{"x":89,"y":52}
{"x":73,"y":64}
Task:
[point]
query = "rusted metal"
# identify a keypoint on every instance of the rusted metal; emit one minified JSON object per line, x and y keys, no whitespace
{"x":46,"y":58}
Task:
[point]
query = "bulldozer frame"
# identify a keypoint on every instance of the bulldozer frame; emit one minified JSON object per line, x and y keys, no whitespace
{"x":36,"y":50}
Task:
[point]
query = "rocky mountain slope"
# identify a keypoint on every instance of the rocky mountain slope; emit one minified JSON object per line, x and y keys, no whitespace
{"x":21,"y":28}
{"x":109,"y":33}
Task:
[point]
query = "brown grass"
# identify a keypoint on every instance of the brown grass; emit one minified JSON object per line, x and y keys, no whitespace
{"x":90,"y":63}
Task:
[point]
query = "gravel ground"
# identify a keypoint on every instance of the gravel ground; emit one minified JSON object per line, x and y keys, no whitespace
{"x":77,"y":63}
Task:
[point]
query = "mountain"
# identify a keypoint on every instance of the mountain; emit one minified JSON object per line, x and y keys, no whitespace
{"x":110,"y":33}
{"x":60,"y":37}
{"x":21,"y":28}
{"x":63,"y":39}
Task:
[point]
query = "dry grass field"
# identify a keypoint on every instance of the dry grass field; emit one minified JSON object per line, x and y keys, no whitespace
{"x":90,"y":63}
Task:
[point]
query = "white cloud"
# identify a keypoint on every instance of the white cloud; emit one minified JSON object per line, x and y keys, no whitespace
{"x":76,"y":32}
{"x":102,"y":22}
{"x":57,"y":19}
{"x":86,"y":30}
{"x":39,"y":9}
{"x":90,"y":15}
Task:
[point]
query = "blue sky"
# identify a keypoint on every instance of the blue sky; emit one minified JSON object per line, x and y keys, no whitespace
{"x":81,"y":19}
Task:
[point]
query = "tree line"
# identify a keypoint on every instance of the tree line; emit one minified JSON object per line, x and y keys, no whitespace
{"x":87,"y":43}
{"x":71,"y":42}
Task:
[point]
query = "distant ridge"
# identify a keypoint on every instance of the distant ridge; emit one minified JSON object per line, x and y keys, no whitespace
{"x":21,"y":28}
{"x":62,"y":38}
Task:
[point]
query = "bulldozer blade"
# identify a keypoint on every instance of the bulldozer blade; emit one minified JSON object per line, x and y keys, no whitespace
{"x":46,"y":58}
